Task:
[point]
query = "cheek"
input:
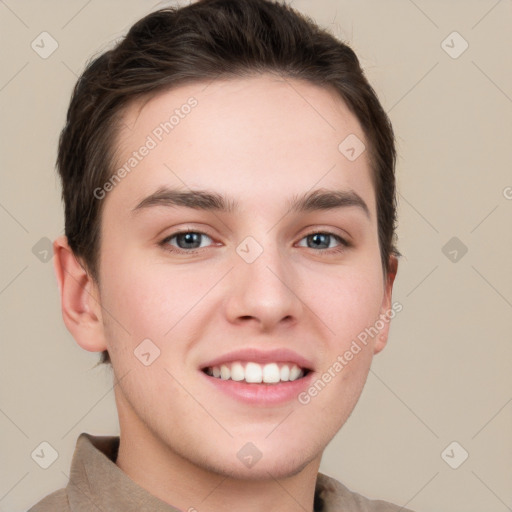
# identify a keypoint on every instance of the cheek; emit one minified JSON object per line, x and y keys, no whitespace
{"x":136,"y":293}
{"x":347,"y":302}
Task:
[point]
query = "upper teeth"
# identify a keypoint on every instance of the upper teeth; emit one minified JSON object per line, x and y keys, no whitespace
{"x":255,"y":373}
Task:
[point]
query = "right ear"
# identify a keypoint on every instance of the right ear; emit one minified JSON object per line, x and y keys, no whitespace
{"x":80,"y":298}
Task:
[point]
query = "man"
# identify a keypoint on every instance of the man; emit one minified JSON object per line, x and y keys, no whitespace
{"x":228,"y":179}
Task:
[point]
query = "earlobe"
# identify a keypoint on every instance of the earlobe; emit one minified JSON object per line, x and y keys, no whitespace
{"x":386,"y":307}
{"x":80,"y":300}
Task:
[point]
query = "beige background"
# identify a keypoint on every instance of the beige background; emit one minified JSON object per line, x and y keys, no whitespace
{"x":446,"y":373}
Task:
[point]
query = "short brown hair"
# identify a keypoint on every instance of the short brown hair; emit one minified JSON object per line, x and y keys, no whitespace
{"x":206,"y":40}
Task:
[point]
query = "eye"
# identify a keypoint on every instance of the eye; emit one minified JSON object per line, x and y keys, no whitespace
{"x":321,"y":240}
{"x":190,"y":241}
{"x":186,"y":241}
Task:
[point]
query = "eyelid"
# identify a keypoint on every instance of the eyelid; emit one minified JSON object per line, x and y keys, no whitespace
{"x":336,"y":232}
{"x":186,"y":229}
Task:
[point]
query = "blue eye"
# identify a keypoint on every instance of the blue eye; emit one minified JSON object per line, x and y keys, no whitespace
{"x":321,"y":238}
{"x":185,"y":240}
{"x":189,"y":242}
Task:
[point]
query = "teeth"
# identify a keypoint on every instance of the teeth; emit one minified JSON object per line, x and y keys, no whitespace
{"x":237,"y":372}
{"x":225,"y":372}
{"x":295,"y":372}
{"x":270,"y":373}
{"x":253,"y":373}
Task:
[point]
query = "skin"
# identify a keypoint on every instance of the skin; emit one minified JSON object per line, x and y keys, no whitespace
{"x":260,"y":140}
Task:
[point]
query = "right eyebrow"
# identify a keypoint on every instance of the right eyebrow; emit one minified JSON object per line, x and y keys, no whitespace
{"x":196,"y":199}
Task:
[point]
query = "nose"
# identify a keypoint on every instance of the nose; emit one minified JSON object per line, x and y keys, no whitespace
{"x":266,"y":291}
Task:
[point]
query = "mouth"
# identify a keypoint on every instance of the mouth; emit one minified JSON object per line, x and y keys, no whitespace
{"x":260,"y":378}
{"x":251,"y":372}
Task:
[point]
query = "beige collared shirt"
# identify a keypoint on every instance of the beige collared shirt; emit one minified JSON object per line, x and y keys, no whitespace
{"x":97,"y":484}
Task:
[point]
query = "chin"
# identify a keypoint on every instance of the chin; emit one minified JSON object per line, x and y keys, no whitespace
{"x":282,"y":467}
{"x":248,"y":462}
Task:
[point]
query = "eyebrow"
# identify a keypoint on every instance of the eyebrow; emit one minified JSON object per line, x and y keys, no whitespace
{"x":320,"y":199}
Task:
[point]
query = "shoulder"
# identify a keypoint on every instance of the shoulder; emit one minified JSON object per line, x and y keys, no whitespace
{"x":55,"y":502}
{"x":336,"y":496}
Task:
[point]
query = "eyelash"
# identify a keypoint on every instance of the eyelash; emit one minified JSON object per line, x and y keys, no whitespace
{"x":167,"y":247}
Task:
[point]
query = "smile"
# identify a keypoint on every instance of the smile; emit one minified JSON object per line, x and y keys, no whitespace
{"x":255,"y":373}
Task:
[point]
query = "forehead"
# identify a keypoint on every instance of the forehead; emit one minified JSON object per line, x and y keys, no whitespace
{"x":256,"y":138}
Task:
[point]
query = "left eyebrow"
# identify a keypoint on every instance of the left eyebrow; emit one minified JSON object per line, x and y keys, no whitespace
{"x":325,"y":199}
{"x":320,"y":199}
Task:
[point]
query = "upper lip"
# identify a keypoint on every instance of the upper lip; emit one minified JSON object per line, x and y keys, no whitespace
{"x":278,"y":355}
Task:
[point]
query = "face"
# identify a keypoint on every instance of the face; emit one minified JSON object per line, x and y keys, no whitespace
{"x":193,"y":289}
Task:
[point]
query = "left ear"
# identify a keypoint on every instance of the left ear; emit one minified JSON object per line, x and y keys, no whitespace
{"x":386,"y":307}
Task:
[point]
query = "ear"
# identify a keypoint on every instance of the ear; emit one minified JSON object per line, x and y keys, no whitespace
{"x":80,"y":299}
{"x":386,"y":311}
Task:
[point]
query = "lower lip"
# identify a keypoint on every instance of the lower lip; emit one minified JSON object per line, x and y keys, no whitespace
{"x":262,"y":394}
